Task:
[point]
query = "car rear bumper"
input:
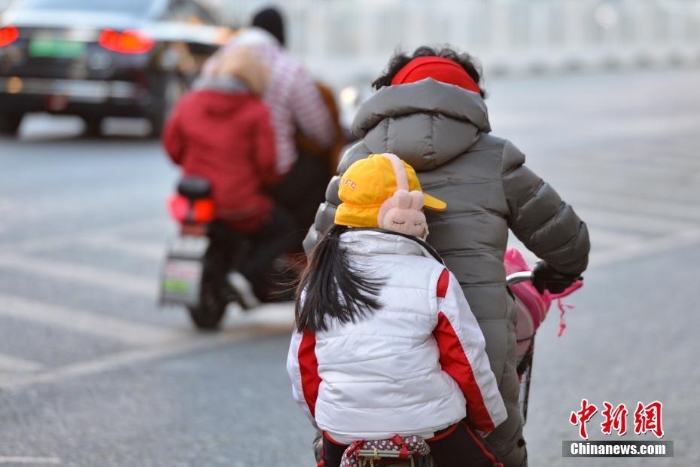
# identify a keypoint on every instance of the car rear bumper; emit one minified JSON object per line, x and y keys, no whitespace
{"x":74,"y":96}
{"x":87,"y":91}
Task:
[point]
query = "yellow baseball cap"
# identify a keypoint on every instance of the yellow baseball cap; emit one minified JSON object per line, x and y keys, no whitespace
{"x":369,"y":182}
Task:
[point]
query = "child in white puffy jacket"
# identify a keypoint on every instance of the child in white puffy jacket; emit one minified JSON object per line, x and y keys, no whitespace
{"x":386,"y":343}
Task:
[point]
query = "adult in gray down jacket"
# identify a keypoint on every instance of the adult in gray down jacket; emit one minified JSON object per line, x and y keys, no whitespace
{"x":430,"y":111}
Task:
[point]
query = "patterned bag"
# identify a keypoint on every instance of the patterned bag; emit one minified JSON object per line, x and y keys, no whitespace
{"x":365,"y":453}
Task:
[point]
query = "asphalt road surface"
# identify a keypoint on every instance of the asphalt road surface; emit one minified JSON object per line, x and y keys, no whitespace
{"x":93,"y":373}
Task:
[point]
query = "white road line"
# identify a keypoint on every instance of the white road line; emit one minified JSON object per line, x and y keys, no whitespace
{"x":601,"y":238}
{"x":636,"y":168}
{"x":11,"y":364}
{"x":83,"y":322}
{"x":29,"y":460}
{"x":631,"y":222}
{"x":281,"y":314}
{"x":645,"y":248}
{"x":680,"y":155}
{"x":134,"y":356}
{"x":603,"y":178}
{"x":151,"y":250}
{"x":624,"y":251}
{"x":681,"y":161}
{"x":53,"y":242}
{"x":84,"y":274}
{"x":652,"y":208}
{"x":634,"y":176}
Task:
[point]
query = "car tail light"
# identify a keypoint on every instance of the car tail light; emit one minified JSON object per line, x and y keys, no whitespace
{"x":127,"y":42}
{"x":200,"y":211}
{"x":8,"y":35}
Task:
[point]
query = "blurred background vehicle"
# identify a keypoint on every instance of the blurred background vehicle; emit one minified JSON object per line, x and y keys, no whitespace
{"x":97,"y":59}
{"x":203,"y":264}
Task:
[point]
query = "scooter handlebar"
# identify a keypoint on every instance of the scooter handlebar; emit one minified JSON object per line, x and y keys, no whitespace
{"x":518,"y":277}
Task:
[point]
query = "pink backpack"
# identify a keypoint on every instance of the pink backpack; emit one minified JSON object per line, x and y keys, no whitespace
{"x":532,"y":307}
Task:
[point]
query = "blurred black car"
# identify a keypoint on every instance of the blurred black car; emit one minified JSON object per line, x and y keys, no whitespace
{"x":101,"y":58}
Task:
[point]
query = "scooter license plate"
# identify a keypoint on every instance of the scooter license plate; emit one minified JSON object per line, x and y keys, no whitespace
{"x":181,"y":281}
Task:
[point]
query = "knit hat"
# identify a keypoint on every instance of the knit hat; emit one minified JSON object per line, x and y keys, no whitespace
{"x":270,"y":19}
{"x":438,"y":68}
{"x":384,"y":191}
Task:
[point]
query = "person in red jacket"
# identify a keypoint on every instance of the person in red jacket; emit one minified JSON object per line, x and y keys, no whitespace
{"x":222,"y":131}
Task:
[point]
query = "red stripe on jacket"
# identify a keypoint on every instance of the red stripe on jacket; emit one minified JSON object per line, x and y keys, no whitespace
{"x":455,"y":363}
{"x":443,"y":283}
{"x":308,"y":367}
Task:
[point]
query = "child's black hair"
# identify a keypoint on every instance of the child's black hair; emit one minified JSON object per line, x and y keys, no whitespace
{"x":333,"y":287}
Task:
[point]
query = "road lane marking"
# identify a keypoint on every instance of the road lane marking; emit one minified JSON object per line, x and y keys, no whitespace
{"x":601,"y":238}
{"x":29,"y":460}
{"x":624,"y":251}
{"x":645,"y":248}
{"x":94,"y":324}
{"x":652,"y":208}
{"x":679,"y":154}
{"x":62,"y":270}
{"x":59,"y":241}
{"x":150,"y":250}
{"x":638,"y":169}
{"x":632,"y":222}
{"x":277,"y":314}
{"x":141,"y":355}
{"x":11,"y":364}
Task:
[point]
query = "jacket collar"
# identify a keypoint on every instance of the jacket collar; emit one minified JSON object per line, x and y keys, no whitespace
{"x":380,"y":241}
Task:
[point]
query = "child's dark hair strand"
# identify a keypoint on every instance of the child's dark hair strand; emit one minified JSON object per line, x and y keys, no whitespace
{"x":331,"y":287}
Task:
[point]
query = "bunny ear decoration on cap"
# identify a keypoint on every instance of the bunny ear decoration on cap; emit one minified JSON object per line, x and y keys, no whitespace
{"x":401,"y":172}
{"x":369,"y":182}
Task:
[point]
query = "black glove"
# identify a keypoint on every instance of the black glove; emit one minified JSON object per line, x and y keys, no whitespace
{"x":544,"y":277}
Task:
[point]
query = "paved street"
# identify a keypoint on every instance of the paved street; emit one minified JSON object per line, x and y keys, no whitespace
{"x":93,"y":373}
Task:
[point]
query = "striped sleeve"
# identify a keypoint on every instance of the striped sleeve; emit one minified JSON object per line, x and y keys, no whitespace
{"x":302,"y":368}
{"x":463,"y":355}
{"x":310,"y":111}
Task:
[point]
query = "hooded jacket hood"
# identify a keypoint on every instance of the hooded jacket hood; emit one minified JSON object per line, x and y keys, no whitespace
{"x":219,"y":96}
{"x":427,"y":122}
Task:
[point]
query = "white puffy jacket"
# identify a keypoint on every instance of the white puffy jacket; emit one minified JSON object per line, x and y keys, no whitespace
{"x":415,"y":366}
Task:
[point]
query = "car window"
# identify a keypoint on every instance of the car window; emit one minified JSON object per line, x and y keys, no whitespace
{"x":188,"y":11}
{"x":132,"y":7}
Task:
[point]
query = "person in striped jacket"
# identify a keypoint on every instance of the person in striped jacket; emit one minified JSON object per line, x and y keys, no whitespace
{"x":385,"y":341}
{"x":297,"y":110}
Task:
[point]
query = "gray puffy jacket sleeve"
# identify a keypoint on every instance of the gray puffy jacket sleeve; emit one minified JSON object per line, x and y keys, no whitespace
{"x":545,"y":224}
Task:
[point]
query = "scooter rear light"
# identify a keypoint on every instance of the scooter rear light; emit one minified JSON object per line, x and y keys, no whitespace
{"x":201,"y":211}
{"x":178,"y":207}
{"x":8,"y":35}
{"x":127,"y":42}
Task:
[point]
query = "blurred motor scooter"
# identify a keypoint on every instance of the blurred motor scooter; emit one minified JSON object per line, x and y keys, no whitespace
{"x":202,"y":263}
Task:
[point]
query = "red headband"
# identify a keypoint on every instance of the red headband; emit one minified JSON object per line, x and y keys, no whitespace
{"x":438,"y":68}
